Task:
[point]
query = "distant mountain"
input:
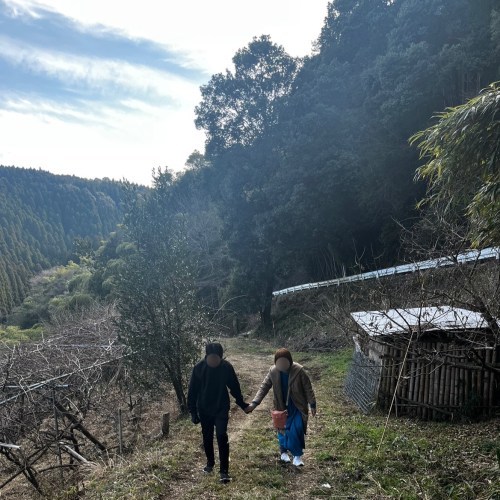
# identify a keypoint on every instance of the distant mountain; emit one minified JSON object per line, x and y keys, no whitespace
{"x":41,"y":215}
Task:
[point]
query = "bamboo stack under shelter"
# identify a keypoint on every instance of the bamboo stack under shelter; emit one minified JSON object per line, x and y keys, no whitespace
{"x":436,"y":363}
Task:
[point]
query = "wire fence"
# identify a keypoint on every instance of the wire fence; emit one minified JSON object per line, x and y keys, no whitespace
{"x":469,"y":256}
{"x":362,"y":381}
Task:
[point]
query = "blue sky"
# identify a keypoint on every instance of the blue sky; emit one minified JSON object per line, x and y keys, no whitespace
{"x":108,"y":88}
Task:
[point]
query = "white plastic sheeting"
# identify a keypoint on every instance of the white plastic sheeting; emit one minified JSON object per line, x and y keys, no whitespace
{"x":396,"y":321}
{"x":469,"y":256}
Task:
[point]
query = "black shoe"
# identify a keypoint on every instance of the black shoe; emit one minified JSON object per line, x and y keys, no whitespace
{"x":208,"y":469}
{"x":224,"y":477}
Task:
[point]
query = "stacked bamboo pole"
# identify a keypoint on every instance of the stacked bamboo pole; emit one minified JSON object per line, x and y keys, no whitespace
{"x":440,"y":380}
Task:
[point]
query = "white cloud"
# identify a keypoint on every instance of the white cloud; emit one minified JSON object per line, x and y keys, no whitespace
{"x":118,"y":144}
{"x":96,"y":72}
{"x":142,"y":142}
{"x":125,"y":137}
{"x":148,"y":117}
{"x":206,"y":34}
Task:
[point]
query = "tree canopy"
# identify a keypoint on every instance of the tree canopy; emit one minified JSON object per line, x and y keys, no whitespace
{"x":239,"y":106}
{"x":160,"y":320}
{"x":463,"y":163}
{"x":325,"y":179}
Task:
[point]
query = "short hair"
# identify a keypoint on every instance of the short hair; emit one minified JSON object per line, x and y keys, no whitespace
{"x":283,"y":353}
{"x":214,"y":348}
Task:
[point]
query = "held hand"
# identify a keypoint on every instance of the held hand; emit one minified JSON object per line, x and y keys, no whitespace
{"x":249,"y":409}
{"x":313,"y":412}
{"x":195,"y":418}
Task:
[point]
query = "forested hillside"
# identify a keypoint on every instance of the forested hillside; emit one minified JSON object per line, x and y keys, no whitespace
{"x":307,"y":171}
{"x":41,"y":215}
{"x":308,"y":162}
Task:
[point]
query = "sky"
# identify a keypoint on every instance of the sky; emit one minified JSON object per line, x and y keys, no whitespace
{"x":107,"y":88}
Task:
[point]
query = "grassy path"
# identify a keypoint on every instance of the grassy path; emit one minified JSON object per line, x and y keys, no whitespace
{"x":416,"y":460}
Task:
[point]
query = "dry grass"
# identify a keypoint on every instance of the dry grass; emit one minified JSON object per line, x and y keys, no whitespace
{"x":417,"y":459}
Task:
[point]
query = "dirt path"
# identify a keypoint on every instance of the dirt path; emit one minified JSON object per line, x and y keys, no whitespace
{"x":251,"y":369}
{"x":255,"y":464}
{"x":297,"y":482}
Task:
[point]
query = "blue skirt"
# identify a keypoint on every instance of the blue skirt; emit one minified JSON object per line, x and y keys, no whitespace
{"x":293,"y":438}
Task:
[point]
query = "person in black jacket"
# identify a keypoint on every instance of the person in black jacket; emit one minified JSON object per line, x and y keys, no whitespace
{"x":208,"y":403}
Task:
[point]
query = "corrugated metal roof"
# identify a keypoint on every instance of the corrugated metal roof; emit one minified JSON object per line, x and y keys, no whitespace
{"x":395,"y":321}
{"x":469,"y":256}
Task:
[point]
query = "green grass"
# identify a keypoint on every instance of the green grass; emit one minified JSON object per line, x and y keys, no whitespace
{"x":148,"y":472}
{"x":14,"y":335}
{"x":416,"y":459}
{"x":254,"y":467}
{"x":247,"y":345}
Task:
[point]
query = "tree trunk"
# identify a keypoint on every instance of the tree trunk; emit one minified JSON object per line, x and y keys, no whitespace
{"x":181,"y":397}
{"x":176,"y":381}
{"x":265,"y":312}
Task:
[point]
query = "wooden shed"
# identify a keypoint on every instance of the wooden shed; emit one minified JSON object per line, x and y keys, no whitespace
{"x":429,"y":362}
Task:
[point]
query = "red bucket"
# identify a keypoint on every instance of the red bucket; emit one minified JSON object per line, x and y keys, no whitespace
{"x":279,"y":418}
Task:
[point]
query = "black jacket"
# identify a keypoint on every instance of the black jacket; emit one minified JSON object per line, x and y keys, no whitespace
{"x":207,"y":393}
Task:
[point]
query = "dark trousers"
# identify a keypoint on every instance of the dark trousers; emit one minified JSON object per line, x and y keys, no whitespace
{"x":207,"y":428}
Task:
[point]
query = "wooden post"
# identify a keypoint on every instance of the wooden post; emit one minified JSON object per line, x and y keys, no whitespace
{"x":446,"y":402}
{"x":469,"y":383}
{"x":493,"y":379}
{"x":392,"y":380}
{"x":430,"y":387}
{"x":421,"y":385}
{"x":473,"y":385}
{"x":418,"y":380}
{"x":424,"y":383}
{"x":404,"y":384}
{"x":390,"y":365}
{"x":387,"y":375}
{"x":435,"y":390}
{"x":404,"y":388}
{"x":397,"y":380}
{"x":432,"y":376}
{"x":483,"y":385}
{"x":411,"y":376}
{"x":394,"y":373}
{"x":487,"y":380}
{"x":461,"y":387}
{"x":120,"y":432}
{"x":439,"y":378}
{"x":457,"y":402}
{"x":454,"y":386}
{"x":56,"y":425}
{"x":384,"y":377}
{"x":165,"y":425}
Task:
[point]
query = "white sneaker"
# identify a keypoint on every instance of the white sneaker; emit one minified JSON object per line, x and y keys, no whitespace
{"x":297,"y":461}
{"x":284,"y":457}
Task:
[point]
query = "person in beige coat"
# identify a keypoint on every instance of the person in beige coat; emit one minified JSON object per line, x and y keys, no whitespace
{"x":293,"y":392}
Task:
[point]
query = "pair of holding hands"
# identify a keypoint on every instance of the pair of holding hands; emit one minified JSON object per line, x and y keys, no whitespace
{"x":251,"y":407}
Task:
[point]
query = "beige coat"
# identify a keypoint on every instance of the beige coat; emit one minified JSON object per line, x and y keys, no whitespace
{"x":299,"y":389}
